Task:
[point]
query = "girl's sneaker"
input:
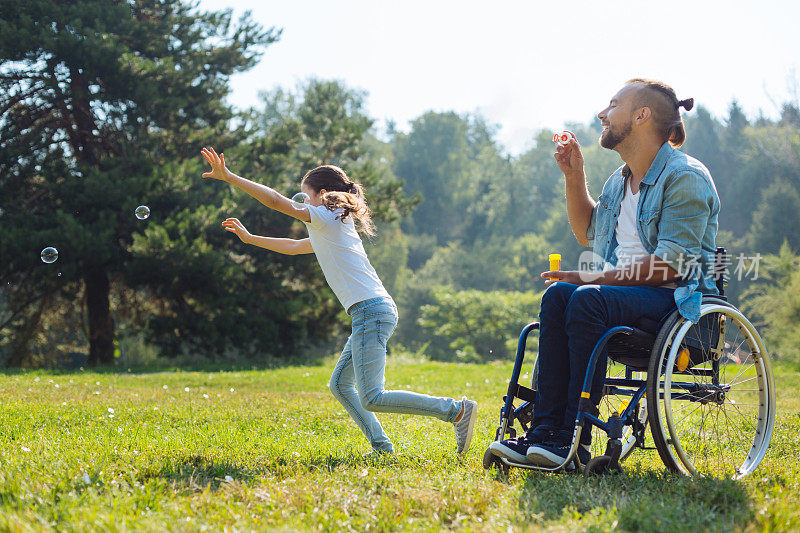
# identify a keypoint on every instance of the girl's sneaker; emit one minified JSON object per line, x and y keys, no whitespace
{"x":465,"y":425}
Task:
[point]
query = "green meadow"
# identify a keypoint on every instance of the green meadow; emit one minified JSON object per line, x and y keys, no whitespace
{"x":272,"y":450}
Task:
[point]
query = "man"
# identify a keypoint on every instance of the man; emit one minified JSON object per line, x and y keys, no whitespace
{"x":654,"y":227}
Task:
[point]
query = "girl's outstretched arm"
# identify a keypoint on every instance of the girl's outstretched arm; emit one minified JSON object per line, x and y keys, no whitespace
{"x":267,"y":196}
{"x":282,"y":246}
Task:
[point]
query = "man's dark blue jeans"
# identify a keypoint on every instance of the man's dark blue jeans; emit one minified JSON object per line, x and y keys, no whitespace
{"x":572,"y":320}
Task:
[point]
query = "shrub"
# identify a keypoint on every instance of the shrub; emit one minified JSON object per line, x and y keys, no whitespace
{"x":474,"y":326}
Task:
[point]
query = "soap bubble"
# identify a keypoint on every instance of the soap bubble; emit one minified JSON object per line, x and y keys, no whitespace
{"x":142,"y":212}
{"x":299,"y":199}
{"x":49,"y":254}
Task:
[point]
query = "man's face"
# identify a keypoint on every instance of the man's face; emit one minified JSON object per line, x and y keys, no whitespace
{"x":617,"y":118}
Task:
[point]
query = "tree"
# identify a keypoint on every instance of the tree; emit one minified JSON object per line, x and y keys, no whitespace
{"x":776,"y":219}
{"x":790,"y":115}
{"x":774,"y":303}
{"x":703,"y":141}
{"x":737,"y":120}
{"x":96,"y":97}
{"x":452,"y":162}
{"x":323,"y":122}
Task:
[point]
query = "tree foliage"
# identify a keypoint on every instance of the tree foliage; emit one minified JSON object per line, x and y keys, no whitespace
{"x":105,"y":104}
{"x":96,"y":98}
{"x":774,"y":303}
{"x":472,"y":325}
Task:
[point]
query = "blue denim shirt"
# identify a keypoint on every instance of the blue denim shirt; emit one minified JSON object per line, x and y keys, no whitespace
{"x":677,"y":222}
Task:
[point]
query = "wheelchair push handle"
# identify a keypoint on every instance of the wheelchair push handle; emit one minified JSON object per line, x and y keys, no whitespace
{"x":721,"y":262}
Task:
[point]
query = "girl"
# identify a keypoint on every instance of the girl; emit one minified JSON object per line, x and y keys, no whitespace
{"x":335,"y":205}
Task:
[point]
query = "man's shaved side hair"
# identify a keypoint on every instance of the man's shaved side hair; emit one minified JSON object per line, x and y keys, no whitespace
{"x":665,"y":107}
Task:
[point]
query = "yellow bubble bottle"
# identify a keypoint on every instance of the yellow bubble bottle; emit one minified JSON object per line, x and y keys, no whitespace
{"x":555,"y":264}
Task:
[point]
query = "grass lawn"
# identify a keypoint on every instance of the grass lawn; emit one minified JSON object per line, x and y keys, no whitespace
{"x":272,"y":449}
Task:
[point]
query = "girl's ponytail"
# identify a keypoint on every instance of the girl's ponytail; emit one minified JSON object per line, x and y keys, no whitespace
{"x":341,"y":193}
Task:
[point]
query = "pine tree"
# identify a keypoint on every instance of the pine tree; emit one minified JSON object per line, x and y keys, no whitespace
{"x":96,"y":97}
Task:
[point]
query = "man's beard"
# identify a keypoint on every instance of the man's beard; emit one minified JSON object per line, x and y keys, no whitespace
{"x":610,"y":138}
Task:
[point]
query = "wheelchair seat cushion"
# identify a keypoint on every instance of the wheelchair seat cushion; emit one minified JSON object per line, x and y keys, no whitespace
{"x":634,"y":350}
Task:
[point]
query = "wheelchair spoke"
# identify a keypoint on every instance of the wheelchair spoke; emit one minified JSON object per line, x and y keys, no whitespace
{"x":739,"y":411}
{"x":730,"y":463}
{"x":741,"y":371}
{"x":745,"y":430}
{"x":735,"y":350}
{"x":735,"y":425}
{"x":688,"y":404}
{"x":744,"y":381}
{"x":610,"y":404}
{"x":719,"y":450}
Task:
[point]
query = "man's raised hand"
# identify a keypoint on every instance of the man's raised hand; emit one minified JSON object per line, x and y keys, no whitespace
{"x":569,"y":158}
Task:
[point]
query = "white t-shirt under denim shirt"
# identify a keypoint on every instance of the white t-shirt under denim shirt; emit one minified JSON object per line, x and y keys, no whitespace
{"x":629,"y":246}
{"x":342,"y":257}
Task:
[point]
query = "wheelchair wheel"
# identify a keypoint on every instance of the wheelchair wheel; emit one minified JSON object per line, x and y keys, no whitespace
{"x":492,"y":461}
{"x":600,"y":466}
{"x":535,"y":373}
{"x":710,"y":393}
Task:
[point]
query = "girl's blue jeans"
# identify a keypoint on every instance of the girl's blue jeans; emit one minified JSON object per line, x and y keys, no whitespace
{"x":358,"y":378}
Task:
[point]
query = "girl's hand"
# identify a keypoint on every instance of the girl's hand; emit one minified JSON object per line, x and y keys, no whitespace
{"x":234,"y":226}
{"x":569,"y":158}
{"x":217,"y":162}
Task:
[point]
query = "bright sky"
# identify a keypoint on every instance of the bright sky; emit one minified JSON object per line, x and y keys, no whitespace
{"x":527,"y":65}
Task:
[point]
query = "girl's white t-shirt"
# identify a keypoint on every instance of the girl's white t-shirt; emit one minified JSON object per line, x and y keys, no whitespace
{"x":342,"y":257}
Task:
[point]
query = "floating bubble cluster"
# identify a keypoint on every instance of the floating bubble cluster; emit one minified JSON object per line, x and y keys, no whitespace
{"x":49,"y":255}
{"x":142,"y":212}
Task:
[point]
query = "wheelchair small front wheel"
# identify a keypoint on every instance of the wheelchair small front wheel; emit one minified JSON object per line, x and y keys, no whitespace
{"x":601,"y":466}
{"x":490,"y":461}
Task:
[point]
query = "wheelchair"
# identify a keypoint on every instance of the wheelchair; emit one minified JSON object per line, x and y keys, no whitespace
{"x":705,"y":390}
